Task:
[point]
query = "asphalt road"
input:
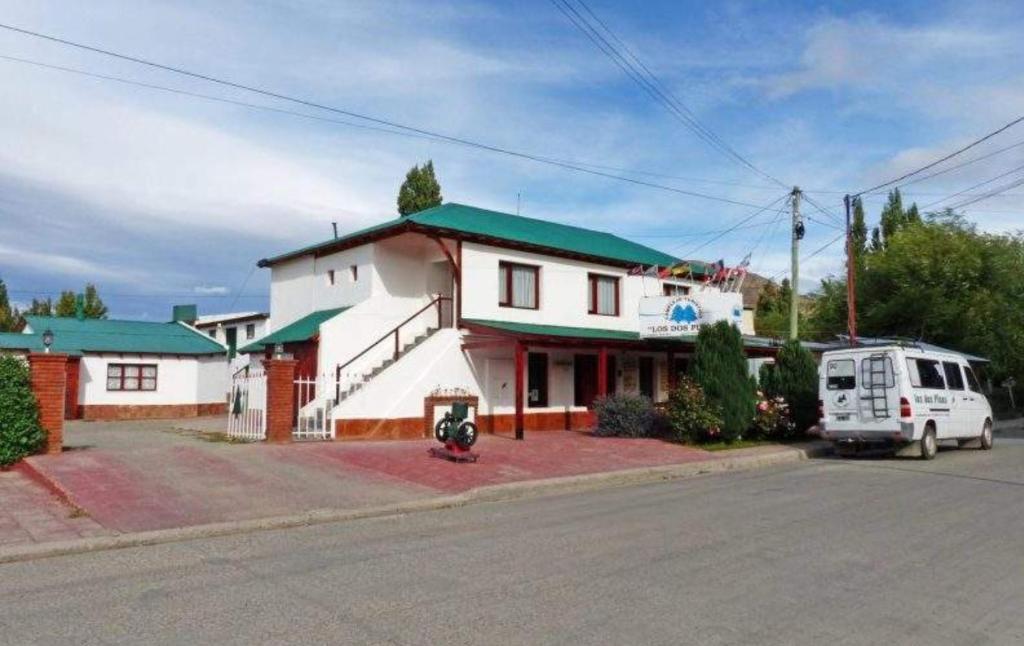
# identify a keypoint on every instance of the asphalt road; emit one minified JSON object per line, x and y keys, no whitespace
{"x":826,"y":552}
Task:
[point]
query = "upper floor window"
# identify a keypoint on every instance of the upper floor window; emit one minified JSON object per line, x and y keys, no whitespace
{"x":212,"y":332}
{"x":673,"y":289}
{"x":250,"y":330}
{"x":603,"y":295}
{"x":354,"y":272}
{"x":330,"y":276}
{"x":518,"y":285}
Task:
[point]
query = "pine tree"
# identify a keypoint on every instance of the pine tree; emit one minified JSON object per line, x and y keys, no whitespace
{"x":893,"y":218}
{"x":40,"y":307}
{"x":9,"y":316}
{"x":92,"y":305}
{"x":420,"y":190}
{"x":720,"y":368}
{"x":858,"y":228}
{"x":65,"y":306}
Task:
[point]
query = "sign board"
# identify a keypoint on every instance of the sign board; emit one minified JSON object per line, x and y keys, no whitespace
{"x":675,"y":316}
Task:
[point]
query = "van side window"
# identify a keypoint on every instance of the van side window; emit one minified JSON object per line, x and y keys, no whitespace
{"x":841,"y":375}
{"x":954,"y":378}
{"x":972,"y":381}
{"x":924,"y":373}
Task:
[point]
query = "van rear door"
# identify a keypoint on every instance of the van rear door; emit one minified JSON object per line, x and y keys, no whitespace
{"x":878,"y":397}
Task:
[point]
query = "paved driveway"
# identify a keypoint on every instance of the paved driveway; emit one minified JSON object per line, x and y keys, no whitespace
{"x":133,"y":476}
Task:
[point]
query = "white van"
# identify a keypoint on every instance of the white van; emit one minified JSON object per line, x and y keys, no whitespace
{"x":898,"y":395}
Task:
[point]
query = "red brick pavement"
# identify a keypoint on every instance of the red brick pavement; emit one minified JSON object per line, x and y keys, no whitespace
{"x":29,"y":513}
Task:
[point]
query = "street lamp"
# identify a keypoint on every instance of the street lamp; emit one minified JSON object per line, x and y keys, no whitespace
{"x":278,"y":350}
{"x":47,"y":339}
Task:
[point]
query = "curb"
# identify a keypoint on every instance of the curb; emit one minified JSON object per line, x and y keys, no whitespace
{"x":28,"y":468}
{"x":492,"y":493}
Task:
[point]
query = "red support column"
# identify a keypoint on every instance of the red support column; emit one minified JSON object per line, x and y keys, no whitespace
{"x":520,"y":387}
{"x":280,"y":399}
{"x":48,"y":374}
{"x":602,"y":372}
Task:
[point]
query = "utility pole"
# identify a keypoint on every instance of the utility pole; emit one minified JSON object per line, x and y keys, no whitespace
{"x":851,"y":279}
{"x":794,"y":274}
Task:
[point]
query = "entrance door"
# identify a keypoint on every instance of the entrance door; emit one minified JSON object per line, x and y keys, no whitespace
{"x":584,"y":377}
{"x":646,"y":367}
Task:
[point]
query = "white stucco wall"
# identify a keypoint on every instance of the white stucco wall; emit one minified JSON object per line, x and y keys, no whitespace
{"x":180,"y":380}
{"x":563,"y":290}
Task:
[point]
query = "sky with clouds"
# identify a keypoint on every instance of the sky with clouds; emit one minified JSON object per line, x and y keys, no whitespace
{"x":163,"y":198}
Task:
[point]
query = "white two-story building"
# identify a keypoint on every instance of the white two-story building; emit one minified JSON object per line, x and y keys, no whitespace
{"x":527,"y":319}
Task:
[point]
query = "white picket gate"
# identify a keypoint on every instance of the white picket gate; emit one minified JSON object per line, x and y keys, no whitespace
{"x":247,"y":408}
{"x":315,"y":400}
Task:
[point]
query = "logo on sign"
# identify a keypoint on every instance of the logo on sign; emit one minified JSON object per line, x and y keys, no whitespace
{"x":684,"y":315}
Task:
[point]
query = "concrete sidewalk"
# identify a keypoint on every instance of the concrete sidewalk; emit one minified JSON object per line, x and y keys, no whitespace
{"x":147,"y":476}
{"x":31,"y":514}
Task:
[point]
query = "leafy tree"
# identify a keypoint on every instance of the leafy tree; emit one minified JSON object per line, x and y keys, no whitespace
{"x":20,"y":432}
{"x":92,"y":305}
{"x":65,"y":305}
{"x":796,"y":381}
{"x":859,"y":228}
{"x":720,"y":369}
{"x":771,"y":315}
{"x":40,"y":307}
{"x":420,"y":190}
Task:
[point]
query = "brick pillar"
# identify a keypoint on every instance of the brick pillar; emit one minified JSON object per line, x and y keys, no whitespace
{"x":49,"y":378}
{"x":280,"y":399}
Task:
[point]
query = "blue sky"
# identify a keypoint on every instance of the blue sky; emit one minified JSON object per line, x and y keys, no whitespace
{"x":163,"y":199}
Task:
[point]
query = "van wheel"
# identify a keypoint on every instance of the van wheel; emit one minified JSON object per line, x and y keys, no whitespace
{"x":929,"y":445}
{"x":986,"y":437}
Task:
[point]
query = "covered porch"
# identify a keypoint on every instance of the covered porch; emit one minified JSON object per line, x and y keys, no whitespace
{"x":543,"y":377}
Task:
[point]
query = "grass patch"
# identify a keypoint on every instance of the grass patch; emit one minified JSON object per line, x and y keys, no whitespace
{"x":728,"y":446}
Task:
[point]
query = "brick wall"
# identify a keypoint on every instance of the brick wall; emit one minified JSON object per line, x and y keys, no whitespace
{"x":280,"y":399}
{"x":107,"y":412}
{"x":49,"y":380}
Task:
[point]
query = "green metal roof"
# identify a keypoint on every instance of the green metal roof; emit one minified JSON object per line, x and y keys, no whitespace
{"x":22,"y":342}
{"x":75,"y":336}
{"x":459,"y":219}
{"x":301,"y":330}
{"x":557,"y":330}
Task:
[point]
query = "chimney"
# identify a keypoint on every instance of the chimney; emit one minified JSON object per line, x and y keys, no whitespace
{"x":80,"y":307}
{"x":184,"y":314}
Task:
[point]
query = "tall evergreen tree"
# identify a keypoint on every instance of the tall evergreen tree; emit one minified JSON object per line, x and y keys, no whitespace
{"x":40,"y":307}
{"x":92,"y":305}
{"x":858,"y":228}
{"x":65,"y":305}
{"x":420,"y":190}
{"x":720,"y":368}
{"x":9,"y":316}
{"x":796,"y":380}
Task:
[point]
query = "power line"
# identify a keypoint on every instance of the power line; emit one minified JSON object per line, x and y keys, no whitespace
{"x":971,"y":188}
{"x":352,"y":124}
{"x":700,"y":234}
{"x":1014,"y":184}
{"x":736,"y":225}
{"x":648,"y":81}
{"x":813,"y":253}
{"x":946,"y":158}
{"x":371,"y":119}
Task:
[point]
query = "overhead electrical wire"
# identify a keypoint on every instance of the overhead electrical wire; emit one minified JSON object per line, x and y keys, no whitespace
{"x":734,"y":226}
{"x":974,"y":186}
{"x":641,"y":74}
{"x":372,"y":119}
{"x":951,"y":155}
{"x":812,"y":254}
{"x":993,"y":193}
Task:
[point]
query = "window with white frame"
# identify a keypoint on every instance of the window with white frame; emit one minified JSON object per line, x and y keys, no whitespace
{"x":518,"y":285}
{"x":131,"y":376}
{"x":250,"y":330}
{"x":603,"y":295}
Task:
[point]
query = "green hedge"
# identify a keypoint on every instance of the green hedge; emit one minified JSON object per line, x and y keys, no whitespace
{"x":720,"y":369}
{"x":20,"y":432}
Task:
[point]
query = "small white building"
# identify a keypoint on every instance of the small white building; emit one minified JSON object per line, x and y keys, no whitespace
{"x":234,"y":330}
{"x":132,"y":369}
{"x":527,"y":319}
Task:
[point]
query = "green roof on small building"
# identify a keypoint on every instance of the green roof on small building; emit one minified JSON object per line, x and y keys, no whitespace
{"x":301,"y":330}
{"x":75,"y":336}
{"x":460,"y":220}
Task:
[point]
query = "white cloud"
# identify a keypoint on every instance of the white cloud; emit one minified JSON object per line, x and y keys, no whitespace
{"x":53,"y":263}
{"x":212,"y":290}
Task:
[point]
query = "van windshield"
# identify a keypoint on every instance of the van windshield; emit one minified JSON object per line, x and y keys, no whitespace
{"x":841,"y":374}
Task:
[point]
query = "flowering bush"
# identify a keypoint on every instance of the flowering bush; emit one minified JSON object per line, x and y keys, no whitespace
{"x":772,"y":419}
{"x":691,"y":417}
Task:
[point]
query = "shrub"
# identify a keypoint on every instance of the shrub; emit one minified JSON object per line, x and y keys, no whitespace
{"x":20,"y":433}
{"x":767,"y":380}
{"x":796,"y":381}
{"x":691,"y":418}
{"x":625,"y":416}
{"x":772,"y":420}
{"x":720,"y":369}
